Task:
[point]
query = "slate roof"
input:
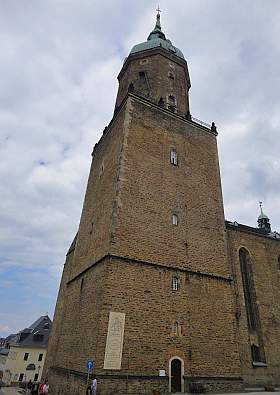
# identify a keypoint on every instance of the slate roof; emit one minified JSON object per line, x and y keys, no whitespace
{"x":36,"y":335}
{"x":4,"y":351}
{"x":249,"y":229}
{"x":10,"y":337}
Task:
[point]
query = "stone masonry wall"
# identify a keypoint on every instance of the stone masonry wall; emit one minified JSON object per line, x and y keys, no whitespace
{"x":96,"y":220}
{"x":58,"y":320}
{"x":151,"y":189}
{"x":202,"y":307}
{"x":264,"y":253}
{"x":165,"y":74}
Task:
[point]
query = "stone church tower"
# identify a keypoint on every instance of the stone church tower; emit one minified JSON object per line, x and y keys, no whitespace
{"x":147,"y":290}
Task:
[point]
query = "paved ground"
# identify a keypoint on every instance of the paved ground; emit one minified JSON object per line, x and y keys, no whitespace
{"x":14,"y":391}
{"x":9,"y":391}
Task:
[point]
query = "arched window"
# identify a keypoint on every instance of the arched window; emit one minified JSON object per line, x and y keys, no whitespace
{"x":171,"y":103}
{"x":30,"y":366}
{"x":131,"y":87}
{"x":175,"y":283}
{"x":244,"y":259}
{"x":161,"y":102}
{"x":252,"y":312}
{"x":174,"y":219}
{"x":174,"y":157}
{"x":175,"y":329}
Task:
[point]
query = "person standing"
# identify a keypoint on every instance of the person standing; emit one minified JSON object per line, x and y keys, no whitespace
{"x":29,"y":387}
{"x":34,"y":390}
{"x":46,"y":388}
{"x":94,"y":386}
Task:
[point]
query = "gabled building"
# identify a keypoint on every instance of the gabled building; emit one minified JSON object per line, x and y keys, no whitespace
{"x":158,"y":289}
{"x":25,"y":352}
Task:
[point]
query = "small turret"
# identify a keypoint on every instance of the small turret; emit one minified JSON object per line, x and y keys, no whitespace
{"x":263,"y":220}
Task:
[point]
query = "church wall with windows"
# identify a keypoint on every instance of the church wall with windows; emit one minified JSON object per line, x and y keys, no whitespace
{"x":257,"y":302}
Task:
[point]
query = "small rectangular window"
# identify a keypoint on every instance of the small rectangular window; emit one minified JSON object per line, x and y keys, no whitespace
{"x":21,"y":377}
{"x":40,"y":358}
{"x":36,"y":377}
{"x":174,"y":219}
{"x":25,"y":358}
{"x":173,"y":157}
{"x":175,"y":284}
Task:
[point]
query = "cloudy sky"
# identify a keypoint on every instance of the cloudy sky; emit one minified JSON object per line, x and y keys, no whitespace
{"x":59,"y":61}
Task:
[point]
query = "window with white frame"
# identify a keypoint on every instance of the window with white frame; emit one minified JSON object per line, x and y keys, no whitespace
{"x":175,"y":329}
{"x":174,"y":157}
{"x":174,"y":219}
{"x":175,"y":283}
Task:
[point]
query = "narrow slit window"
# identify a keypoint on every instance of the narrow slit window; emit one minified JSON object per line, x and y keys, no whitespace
{"x":174,"y":219}
{"x":174,"y":157}
{"x":161,"y":102}
{"x":81,"y":287}
{"x":278,"y":266}
{"x":175,"y":329}
{"x":171,"y":103}
{"x":171,"y":100}
{"x":175,"y":284}
{"x":101,"y":171}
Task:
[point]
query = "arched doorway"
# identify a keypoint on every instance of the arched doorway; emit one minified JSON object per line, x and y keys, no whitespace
{"x":176,"y":375}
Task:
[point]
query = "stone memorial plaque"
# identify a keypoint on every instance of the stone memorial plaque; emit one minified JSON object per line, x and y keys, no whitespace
{"x":114,"y":343}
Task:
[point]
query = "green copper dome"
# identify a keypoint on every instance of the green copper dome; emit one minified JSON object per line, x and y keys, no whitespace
{"x":157,"y":39}
{"x":262,"y":216}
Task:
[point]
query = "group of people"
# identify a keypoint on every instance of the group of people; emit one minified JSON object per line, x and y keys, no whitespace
{"x":43,"y":388}
{"x":37,"y":388}
{"x":92,"y":388}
